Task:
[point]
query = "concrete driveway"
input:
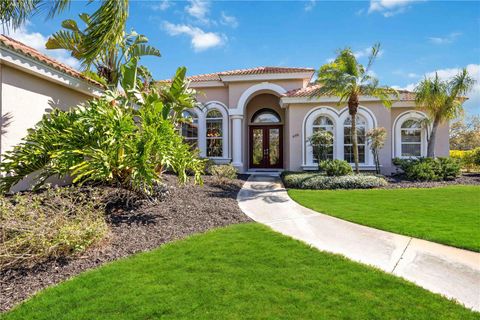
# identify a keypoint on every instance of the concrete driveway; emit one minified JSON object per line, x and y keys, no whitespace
{"x":452,"y":272}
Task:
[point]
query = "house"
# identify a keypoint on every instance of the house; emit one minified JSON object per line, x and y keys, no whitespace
{"x":261,"y":119}
{"x":31,"y":84}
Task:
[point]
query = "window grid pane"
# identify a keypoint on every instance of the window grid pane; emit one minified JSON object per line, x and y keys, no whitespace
{"x":327,"y":127}
{"x":348,"y":141}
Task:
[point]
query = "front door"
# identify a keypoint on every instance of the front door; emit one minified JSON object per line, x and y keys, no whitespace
{"x":266,"y":147}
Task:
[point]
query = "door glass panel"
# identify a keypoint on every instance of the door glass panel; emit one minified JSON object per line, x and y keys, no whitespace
{"x":274,"y":146}
{"x":257,"y":147}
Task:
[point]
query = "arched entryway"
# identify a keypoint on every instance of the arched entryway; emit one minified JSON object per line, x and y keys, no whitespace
{"x":265,"y":132}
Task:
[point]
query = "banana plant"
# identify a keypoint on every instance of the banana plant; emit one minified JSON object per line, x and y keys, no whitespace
{"x":109,"y":61}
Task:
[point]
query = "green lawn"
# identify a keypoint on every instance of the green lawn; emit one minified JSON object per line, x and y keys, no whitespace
{"x":448,"y":215}
{"x":240,"y":272}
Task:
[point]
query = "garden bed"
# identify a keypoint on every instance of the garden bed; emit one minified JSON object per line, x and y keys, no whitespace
{"x":400,"y":182}
{"x":184,"y":211}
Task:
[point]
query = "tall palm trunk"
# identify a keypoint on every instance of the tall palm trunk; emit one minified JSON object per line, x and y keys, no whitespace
{"x":352,"y":110}
{"x":432,"y":138}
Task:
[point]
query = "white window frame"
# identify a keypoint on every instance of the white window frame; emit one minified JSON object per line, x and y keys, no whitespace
{"x":365,"y":144}
{"x":338,"y":117}
{"x":193,"y":115}
{"x":325,"y":127}
{"x":397,"y":136}
{"x":215,"y":105}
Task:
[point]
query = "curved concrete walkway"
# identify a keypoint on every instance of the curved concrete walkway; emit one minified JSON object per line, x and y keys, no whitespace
{"x":452,"y":272}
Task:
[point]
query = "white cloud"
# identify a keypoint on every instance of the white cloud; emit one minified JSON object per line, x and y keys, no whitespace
{"x":227,"y":20}
{"x":199,"y":9}
{"x":162,"y":5}
{"x":200,"y":39}
{"x":309,"y":5}
{"x":389,"y":8}
{"x":366,"y":52}
{"x":37,"y":41}
{"x":412,"y":75}
{"x":450,"y":38}
{"x":472,"y":105}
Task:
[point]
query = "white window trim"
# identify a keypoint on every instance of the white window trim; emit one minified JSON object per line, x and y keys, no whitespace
{"x":397,"y":136}
{"x":338,"y":118}
{"x":201,"y":143}
{"x":216,"y":105}
{"x":359,"y":144}
{"x":307,"y":149}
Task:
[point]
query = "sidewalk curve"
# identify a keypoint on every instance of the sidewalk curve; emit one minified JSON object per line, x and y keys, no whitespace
{"x":452,"y":272}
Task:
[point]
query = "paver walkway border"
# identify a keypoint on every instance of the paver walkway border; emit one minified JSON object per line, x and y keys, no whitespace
{"x":452,"y":272}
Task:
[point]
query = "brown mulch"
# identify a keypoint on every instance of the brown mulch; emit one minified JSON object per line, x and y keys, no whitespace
{"x":185,"y":210}
{"x":400,"y":182}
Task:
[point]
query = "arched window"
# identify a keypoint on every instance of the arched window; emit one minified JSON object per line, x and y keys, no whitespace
{"x":361,"y":125}
{"x":265,"y":116}
{"x":190,"y":128}
{"x":410,"y":135}
{"x":411,"y":138}
{"x":326,"y":124}
{"x":214,"y":133}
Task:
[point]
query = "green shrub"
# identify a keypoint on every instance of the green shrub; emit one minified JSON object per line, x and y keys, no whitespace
{"x":56,"y":223}
{"x":428,"y":169}
{"x":335,"y":167}
{"x":105,"y":140}
{"x":223,"y":173}
{"x":319,"y":181}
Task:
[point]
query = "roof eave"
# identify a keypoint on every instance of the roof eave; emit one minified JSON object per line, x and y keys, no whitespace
{"x":21,"y":61}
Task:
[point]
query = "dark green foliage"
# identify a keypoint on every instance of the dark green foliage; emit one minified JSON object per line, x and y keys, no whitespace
{"x":120,"y":139}
{"x":319,"y":181}
{"x":335,"y":167}
{"x":428,"y":169}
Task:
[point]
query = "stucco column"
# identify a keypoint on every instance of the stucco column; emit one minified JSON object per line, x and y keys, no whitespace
{"x":237,"y":141}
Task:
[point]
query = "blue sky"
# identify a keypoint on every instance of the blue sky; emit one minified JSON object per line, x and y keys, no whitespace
{"x":417,"y":37}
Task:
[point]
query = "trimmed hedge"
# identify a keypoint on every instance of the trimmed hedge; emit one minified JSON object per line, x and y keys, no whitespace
{"x":319,"y":181}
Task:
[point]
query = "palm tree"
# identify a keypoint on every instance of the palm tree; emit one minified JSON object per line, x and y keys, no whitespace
{"x":110,"y":58}
{"x":442,"y":100}
{"x":347,"y":79}
{"x":104,"y":31}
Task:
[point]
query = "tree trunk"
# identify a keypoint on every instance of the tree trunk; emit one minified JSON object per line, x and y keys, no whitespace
{"x":352,"y":110}
{"x":432,"y":138}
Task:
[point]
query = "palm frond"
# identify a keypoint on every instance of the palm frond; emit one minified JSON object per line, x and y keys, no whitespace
{"x":106,"y":28}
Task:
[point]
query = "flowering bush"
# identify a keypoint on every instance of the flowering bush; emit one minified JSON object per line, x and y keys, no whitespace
{"x":469,"y":159}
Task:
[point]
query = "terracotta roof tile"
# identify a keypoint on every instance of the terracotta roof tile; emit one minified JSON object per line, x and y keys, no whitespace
{"x":240,"y":72}
{"x":37,"y":55}
{"x":313,"y":88}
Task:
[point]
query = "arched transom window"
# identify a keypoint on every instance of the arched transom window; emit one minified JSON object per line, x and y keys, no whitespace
{"x":411,"y":138}
{"x":265,"y":116}
{"x":190,"y":128}
{"x":326,"y":124}
{"x":361,"y":125}
{"x":214,"y":133}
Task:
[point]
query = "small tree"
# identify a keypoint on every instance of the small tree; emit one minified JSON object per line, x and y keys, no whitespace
{"x":376,"y":138}
{"x":320,"y":142}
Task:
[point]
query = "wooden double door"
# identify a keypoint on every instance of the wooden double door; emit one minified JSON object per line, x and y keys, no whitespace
{"x":266,"y":147}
